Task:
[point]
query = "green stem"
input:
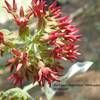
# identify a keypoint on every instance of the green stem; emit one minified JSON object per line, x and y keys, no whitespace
{"x":30,"y":47}
{"x":41,"y":24}
{"x":30,"y":86}
{"x":37,"y":51}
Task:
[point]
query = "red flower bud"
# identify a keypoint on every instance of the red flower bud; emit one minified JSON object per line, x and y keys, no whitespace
{"x":53,"y":5}
{"x":16,"y":53}
{"x":14,"y":6}
{"x":1,"y":38}
{"x":8,"y":6}
{"x":21,"y":12}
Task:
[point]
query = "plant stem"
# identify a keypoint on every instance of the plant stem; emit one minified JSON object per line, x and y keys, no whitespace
{"x":37,"y":51}
{"x":30,"y":86}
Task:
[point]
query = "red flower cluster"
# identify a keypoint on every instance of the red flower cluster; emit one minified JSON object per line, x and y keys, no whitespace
{"x":21,"y":19}
{"x":38,"y":8}
{"x":19,"y":62}
{"x":46,"y":74}
{"x":63,"y":39}
{"x":65,"y":52}
{"x":60,"y":43}
{"x":64,"y":36}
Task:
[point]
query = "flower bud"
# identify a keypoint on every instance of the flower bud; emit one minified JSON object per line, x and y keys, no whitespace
{"x":44,"y":38}
{"x":41,"y":64}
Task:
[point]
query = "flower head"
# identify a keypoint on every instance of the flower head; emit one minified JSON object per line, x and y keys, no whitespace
{"x":56,"y":38}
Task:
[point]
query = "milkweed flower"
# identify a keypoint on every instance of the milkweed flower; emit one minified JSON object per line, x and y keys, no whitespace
{"x":56,"y":38}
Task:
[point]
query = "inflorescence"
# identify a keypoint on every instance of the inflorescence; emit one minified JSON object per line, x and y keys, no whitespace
{"x":37,"y":59}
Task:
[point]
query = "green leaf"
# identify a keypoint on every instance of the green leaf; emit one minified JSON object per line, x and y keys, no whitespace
{"x":15,"y":94}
